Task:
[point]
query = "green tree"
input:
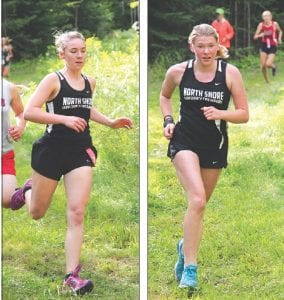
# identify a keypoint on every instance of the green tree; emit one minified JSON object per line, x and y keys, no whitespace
{"x":31,"y":24}
{"x":170,"y":22}
{"x":96,"y":16}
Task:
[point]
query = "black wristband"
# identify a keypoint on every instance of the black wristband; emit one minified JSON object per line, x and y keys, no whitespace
{"x":168,"y":120}
{"x":168,"y":116}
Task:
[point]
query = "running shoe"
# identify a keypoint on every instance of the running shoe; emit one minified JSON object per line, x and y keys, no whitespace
{"x":76,"y":284}
{"x":18,"y":197}
{"x":274,"y":71}
{"x":189,"y":277}
{"x":180,"y":262}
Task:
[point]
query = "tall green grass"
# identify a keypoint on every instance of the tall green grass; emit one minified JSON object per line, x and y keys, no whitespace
{"x":33,"y":251}
{"x":241,"y":254}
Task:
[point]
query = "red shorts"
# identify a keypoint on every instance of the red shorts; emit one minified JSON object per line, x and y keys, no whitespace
{"x":8,"y":163}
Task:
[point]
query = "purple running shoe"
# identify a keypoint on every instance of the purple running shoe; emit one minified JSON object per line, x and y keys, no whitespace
{"x":18,"y":197}
{"x":78,"y":285}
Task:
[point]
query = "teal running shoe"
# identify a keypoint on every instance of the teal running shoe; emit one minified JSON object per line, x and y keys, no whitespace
{"x":180,"y":262}
{"x":189,"y":277}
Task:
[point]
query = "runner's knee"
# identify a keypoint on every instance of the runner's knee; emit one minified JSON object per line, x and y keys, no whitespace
{"x":75,"y":216}
{"x":198,"y":202}
{"x":36,"y":213}
{"x":6,"y":198}
{"x":6,"y":202}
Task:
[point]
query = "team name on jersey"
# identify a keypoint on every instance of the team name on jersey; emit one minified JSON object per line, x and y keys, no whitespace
{"x":69,"y":102}
{"x":203,"y":95}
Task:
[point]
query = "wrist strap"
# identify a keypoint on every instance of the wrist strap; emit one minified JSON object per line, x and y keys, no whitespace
{"x":168,"y":119}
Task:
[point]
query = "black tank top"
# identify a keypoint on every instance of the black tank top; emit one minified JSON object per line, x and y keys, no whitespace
{"x":70,"y":102}
{"x":193,"y":129}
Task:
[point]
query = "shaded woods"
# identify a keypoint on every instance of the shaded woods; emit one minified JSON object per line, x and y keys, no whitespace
{"x":30,"y":24}
{"x":171,"y":21}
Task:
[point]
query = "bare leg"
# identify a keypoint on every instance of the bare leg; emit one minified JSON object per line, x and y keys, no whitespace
{"x":6,"y":71}
{"x":198,"y":185}
{"x":39,"y":197}
{"x":78,"y":185}
{"x":263,"y":58}
{"x":270,"y":61}
{"x":210,"y":178}
{"x":9,"y":185}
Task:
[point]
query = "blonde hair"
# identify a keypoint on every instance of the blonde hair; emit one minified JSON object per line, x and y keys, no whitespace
{"x":267,"y":12}
{"x":62,"y":38}
{"x":6,"y":40}
{"x":208,"y":30}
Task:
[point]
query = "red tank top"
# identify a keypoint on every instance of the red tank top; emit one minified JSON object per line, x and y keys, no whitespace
{"x":269,"y":37}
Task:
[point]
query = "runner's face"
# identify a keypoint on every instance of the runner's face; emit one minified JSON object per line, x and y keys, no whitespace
{"x":205,"y":48}
{"x":266,"y":17}
{"x":75,"y":54}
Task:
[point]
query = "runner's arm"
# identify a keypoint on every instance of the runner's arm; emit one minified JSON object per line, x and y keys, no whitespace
{"x":17,"y":130}
{"x":241,"y":112}
{"x":10,"y":52}
{"x":169,"y":84}
{"x":47,"y":89}
{"x":100,"y":118}
{"x":258,"y":34}
{"x":280,"y":33}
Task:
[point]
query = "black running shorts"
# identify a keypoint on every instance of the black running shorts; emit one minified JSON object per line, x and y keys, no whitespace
{"x":208,"y":158}
{"x":52,"y":160}
{"x":271,"y":50}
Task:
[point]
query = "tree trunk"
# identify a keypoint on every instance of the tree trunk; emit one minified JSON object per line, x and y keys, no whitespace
{"x":244,"y":24}
{"x":249,"y":26}
{"x":236,"y":25}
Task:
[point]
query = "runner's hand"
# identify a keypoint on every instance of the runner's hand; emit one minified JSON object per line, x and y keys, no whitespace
{"x":16,"y":132}
{"x":75,"y":123}
{"x":211,"y":113}
{"x":169,"y":130}
{"x":122,"y":123}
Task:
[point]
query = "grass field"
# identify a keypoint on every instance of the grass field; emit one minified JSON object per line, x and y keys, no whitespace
{"x":241,"y":255}
{"x":33,"y":264}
